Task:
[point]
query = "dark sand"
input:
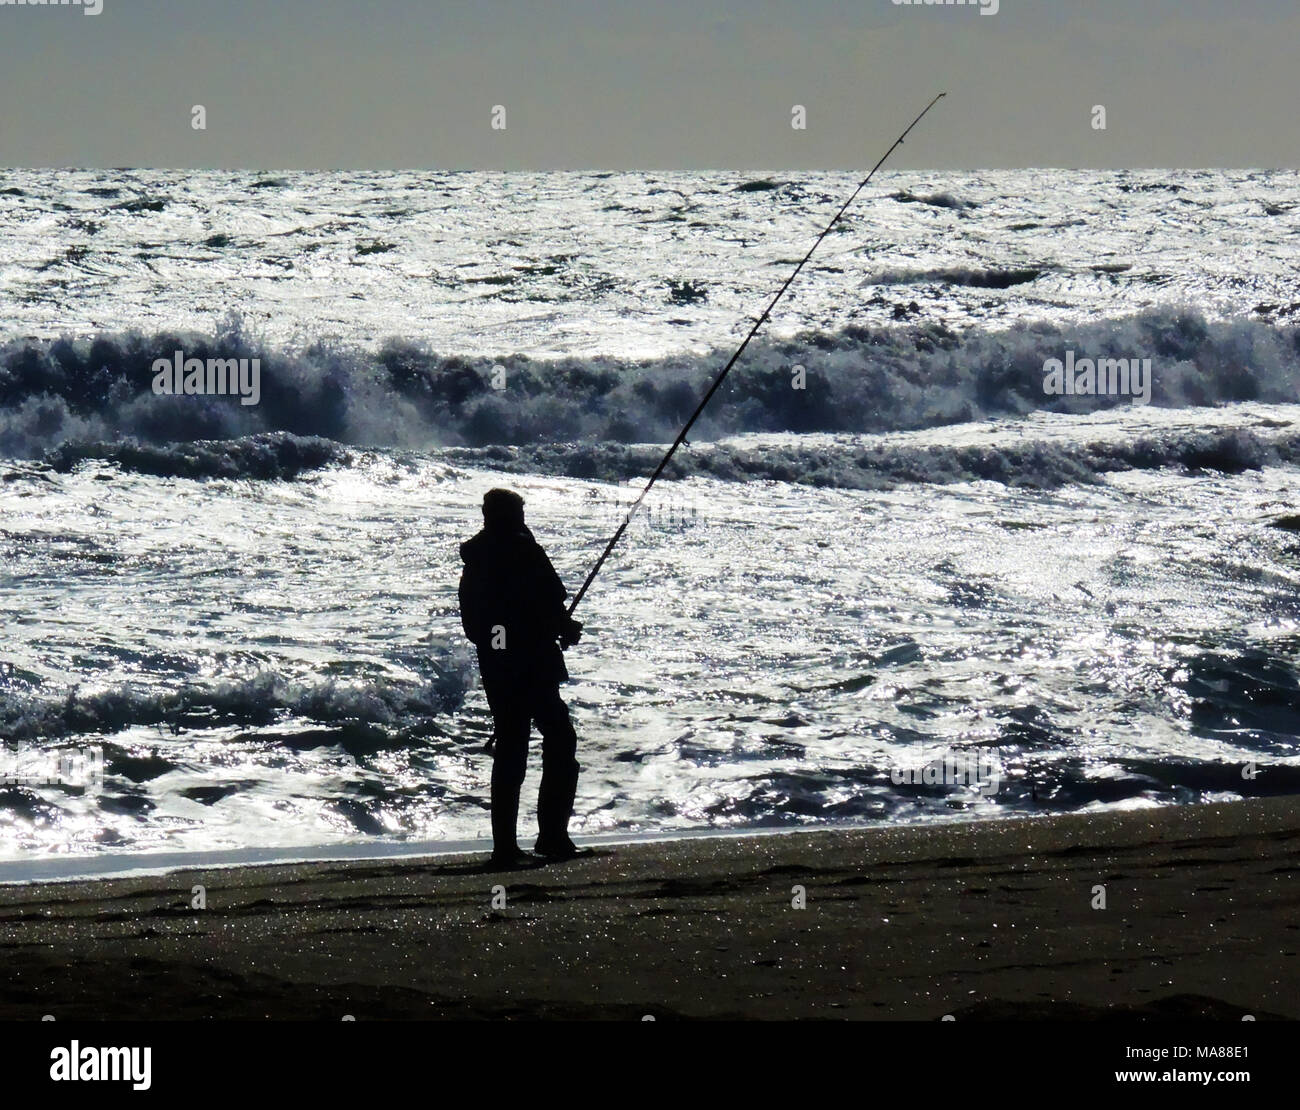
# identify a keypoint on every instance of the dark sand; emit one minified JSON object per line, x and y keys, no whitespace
{"x":973,"y":920}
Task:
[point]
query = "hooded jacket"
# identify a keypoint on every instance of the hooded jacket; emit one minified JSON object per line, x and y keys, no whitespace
{"x":512,"y":605}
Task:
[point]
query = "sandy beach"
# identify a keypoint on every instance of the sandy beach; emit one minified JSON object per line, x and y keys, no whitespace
{"x":990,"y":920}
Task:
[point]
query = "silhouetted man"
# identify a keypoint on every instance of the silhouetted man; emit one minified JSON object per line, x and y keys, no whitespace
{"x":512,"y":608}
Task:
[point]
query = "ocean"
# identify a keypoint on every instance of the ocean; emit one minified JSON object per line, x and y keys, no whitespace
{"x":891,"y":579}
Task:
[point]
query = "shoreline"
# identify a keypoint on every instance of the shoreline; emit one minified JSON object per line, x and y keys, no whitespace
{"x":987,"y":919}
{"x":127,"y":865}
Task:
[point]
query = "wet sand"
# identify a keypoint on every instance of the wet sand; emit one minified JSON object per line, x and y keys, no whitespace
{"x":987,"y":920}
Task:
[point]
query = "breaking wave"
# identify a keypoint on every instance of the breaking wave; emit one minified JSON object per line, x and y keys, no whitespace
{"x":976,"y":279}
{"x":935,"y":200}
{"x":263,"y":699}
{"x":271,"y":455}
{"x":858,"y":380}
{"x":1039,"y":464}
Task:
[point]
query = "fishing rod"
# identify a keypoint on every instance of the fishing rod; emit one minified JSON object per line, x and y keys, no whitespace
{"x":717,"y":382}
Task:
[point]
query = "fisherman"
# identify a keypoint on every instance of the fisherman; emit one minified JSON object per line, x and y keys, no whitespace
{"x":512,"y":608}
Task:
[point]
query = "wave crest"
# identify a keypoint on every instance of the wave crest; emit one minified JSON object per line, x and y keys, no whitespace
{"x":271,"y":455}
{"x":262,"y":699}
{"x":858,"y":380}
{"x":1037,"y":464}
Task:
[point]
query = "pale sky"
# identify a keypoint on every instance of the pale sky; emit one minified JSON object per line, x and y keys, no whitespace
{"x":653,"y":84}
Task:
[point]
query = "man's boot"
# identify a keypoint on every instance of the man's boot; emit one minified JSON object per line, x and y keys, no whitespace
{"x":505,"y":817}
{"x":555,"y":807}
